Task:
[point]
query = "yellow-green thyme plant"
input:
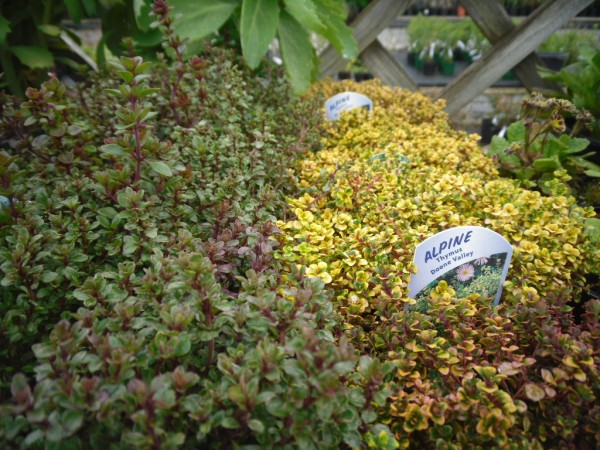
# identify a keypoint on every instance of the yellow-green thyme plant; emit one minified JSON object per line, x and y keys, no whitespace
{"x":466,"y":374}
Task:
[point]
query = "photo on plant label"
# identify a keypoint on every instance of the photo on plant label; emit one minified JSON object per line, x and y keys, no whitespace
{"x":478,"y":276}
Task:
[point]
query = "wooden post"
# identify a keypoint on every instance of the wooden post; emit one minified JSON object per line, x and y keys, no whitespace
{"x":385,"y":66}
{"x":367,"y":25}
{"x":494,"y":22}
{"x":509,"y":50}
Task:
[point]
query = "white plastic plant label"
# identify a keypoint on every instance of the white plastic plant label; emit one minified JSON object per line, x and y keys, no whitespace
{"x":346,"y":100}
{"x":471,"y":260}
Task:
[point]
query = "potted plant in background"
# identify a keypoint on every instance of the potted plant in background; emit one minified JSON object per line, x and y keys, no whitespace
{"x":428,"y":58}
{"x":447,"y":63}
{"x":418,"y":35}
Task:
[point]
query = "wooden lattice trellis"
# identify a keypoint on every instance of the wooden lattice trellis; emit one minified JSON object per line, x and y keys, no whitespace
{"x":512,"y":46}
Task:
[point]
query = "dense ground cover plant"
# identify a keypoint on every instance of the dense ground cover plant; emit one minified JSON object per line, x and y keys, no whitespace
{"x":136,"y":262}
{"x":524,"y":375}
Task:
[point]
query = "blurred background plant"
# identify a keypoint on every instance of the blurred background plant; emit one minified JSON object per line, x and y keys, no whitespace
{"x":36,"y":36}
{"x":582,"y":84}
{"x":538,"y":148}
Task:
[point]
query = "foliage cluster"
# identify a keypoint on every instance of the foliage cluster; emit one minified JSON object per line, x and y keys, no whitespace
{"x":36,"y":36}
{"x":538,"y":145}
{"x":524,"y":375}
{"x":137,"y":260}
{"x":570,"y":42}
{"x":33,"y":36}
{"x":446,"y":35}
{"x":255,"y":23}
{"x":581,"y":81}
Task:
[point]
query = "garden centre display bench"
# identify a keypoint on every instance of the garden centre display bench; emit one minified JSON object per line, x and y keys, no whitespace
{"x":513,"y":46}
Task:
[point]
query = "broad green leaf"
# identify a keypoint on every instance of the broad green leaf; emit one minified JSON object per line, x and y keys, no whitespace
{"x":574,"y":145}
{"x":258,"y":27}
{"x":200,"y":18}
{"x":90,"y":7}
{"x":33,"y":57}
{"x":161,"y":168}
{"x":337,"y":7}
{"x":593,"y":173}
{"x":297,"y":52}
{"x":305,"y":13}
{"x":336,"y":31}
{"x":499,"y":145}
{"x":74,"y":10}
{"x":584,"y":163}
{"x":149,"y":38}
{"x":141,"y":10}
{"x":516,"y":131}
{"x":4,"y":28}
{"x":547,"y":164}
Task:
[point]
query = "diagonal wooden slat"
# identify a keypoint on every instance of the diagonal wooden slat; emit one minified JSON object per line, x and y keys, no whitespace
{"x":510,"y":50}
{"x":494,"y":22}
{"x":385,"y":66}
{"x":367,"y":25}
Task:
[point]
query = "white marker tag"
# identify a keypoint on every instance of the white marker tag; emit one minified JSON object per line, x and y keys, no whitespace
{"x":472,"y":260}
{"x":346,"y":100}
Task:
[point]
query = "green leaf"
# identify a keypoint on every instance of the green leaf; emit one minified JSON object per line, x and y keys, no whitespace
{"x":130,"y":245}
{"x":90,"y":7}
{"x":516,"y":131}
{"x":113,"y":149}
{"x":547,"y":164}
{"x":229,"y":423}
{"x":141,"y":10}
{"x":584,"y":163}
{"x":4,"y":28}
{"x":48,"y":277}
{"x":305,"y":13}
{"x":72,"y":420}
{"x":336,"y":31}
{"x":183,"y":346}
{"x":574,"y":145}
{"x":297,"y":52}
{"x":74,"y":10}
{"x":258,"y":27}
{"x":161,"y":168}
{"x":593,"y":173}
{"x":33,"y":57}
{"x":256,"y":426}
{"x":108,"y":212}
{"x":50,"y":30}
{"x":499,"y":145}
{"x":200,"y":19}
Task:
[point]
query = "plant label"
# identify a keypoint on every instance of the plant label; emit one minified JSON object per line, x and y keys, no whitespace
{"x":471,"y":260}
{"x":346,"y":100}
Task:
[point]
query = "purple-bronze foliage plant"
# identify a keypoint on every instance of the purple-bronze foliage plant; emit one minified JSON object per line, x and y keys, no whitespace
{"x":140,"y":304}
